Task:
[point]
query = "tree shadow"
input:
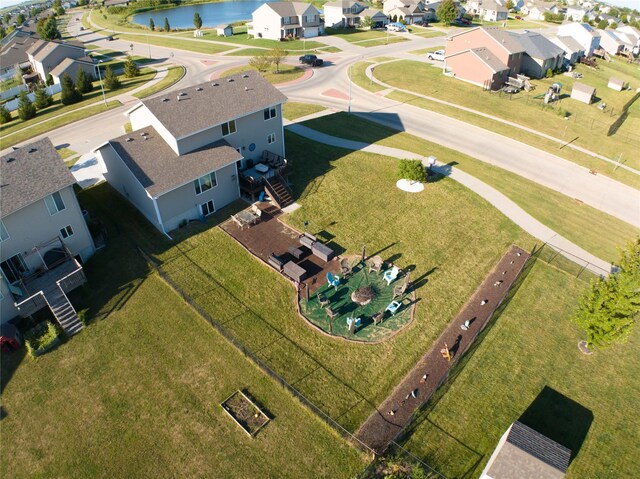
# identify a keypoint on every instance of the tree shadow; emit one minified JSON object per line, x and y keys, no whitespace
{"x":9,"y":363}
{"x":559,"y":418}
{"x":422,"y":279}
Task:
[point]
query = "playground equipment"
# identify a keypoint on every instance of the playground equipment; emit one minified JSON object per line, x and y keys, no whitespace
{"x":602,"y":53}
{"x":553,"y":92}
{"x":522,"y":82}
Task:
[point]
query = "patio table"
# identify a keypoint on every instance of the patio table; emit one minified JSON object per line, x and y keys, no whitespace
{"x":247,"y":218}
{"x":261,"y":168}
{"x":294,"y":271}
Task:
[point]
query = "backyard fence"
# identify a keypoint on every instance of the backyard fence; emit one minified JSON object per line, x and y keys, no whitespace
{"x":11,"y":92}
{"x":51,"y":90}
{"x":568,"y":262}
{"x":258,"y":361}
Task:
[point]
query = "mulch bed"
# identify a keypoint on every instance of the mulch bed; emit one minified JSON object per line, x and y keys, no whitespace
{"x":245,"y":413}
{"x":382,"y":427}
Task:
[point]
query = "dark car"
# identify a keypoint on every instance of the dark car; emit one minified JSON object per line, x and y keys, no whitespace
{"x":109,"y":38}
{"x":312,"y":60}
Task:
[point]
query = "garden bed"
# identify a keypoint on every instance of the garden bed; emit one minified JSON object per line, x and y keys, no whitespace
{"x":245,"y":413}
{"x":41,"y":339}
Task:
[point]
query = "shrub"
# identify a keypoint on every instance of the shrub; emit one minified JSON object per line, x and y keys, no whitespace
{"x":5,"y":115}
{"x":69,"y":94}
{"x":40,"y":338}
{"x":549,"y":73}
{"x":110,"y":79}
{"x":42,"y":99}
{"x":412,"y":170}
{"x":131,"y":70}
{"x":260,"y":62}
{"x":26,"y":110}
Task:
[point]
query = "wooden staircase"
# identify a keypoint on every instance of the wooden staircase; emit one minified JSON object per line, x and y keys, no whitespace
{"x":63,"y":311}
{"x":279,"y":191}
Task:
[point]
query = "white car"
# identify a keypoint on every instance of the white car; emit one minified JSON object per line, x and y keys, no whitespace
{"x":396,"y":27}
{"x":437,"y":55}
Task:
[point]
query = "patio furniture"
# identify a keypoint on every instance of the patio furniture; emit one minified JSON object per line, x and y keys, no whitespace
{"x":307,"y":240}
{"x":256,"y":210}
{"x":391,"y":274}
{"x":297,"y":253}
{"x":275,"y":261}
{"x":322,"y":300}
{"x":375,"y":264}
{"x":400,"y":289}
{"x":378,"y":317}
{"x":246,"y":218}
{"x":261,"y":168}
{"x":333,"y":280}
{"x":322,"y":251}
{"x":353,"y":324}
{"x":393,"y":307}
{"x":294,"y":271}
{"x":331,"y":313}
{"x":345,"y":267}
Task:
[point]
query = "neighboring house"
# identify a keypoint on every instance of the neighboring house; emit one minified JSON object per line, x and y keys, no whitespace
{"x":43,"y":234}
{"x":13,"y":50}
{"x":524,"y":453}
{"x":583,"y":93}
{"x":275,"y":21}
{"x":45,"y":56}
{"x":632,"y":36}
{"x":610,"y":41}
{"x":183,"y":158}
{"x":343,"y":14}
{"x":378,"y":18}
{"x":72,"y":66}
{"x":572,"y":49}
{"x":224,"y":30}
{"x":537,"y":12}
{"x":116,"y":3}
{"x":408,"y":11}
{"x":517,"y":4}
{"x":499,"y":57}
{"x":582,"y":33}
{"x":488,"y":10}
{"x":540,"y":54}
{"x":576,"y":14}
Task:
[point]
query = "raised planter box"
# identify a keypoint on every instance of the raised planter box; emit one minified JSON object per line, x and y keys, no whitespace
{"x":245,"y":413}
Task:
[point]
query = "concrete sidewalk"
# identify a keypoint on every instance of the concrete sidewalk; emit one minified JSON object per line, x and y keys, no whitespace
{"x":506,"y":206}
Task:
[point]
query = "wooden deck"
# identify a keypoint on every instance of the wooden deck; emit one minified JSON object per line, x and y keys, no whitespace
{"x":272,"y":236}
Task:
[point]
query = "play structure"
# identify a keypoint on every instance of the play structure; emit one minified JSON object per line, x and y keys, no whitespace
{"x":553,"y":93}
{"x":522,"y":82}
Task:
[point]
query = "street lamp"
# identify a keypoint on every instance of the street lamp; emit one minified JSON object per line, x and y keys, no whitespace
{"x":131,"y":46}
{"x":149,"y":45}
{"x":104,"y":97}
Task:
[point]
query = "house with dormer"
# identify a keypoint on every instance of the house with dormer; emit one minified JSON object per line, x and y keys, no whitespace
{"x":283,"y":20}
{"x":583,"y":33}
{"x":57,"y":58}
{"x":345,"y":14}
{"x":190,"y":149}
{"x":408,"y":11}
{"x":44,"y":238}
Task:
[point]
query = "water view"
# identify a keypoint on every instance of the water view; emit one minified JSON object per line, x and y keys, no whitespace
{"x":212,"y":14}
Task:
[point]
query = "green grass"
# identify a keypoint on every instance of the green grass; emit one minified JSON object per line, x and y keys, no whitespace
{"x":359,"y":77}
{"x":247,"y":40}
{"x":515,"y":361}
{"x":173,"y":42}
{"x":294,"y":110}
{"x":381,"y":41}
{"x":66,"y":153}
{"x":579,"y":223}
{"x":137,"y":393}
{"x":588,"y":124}
{"x":252,"y":52}
{"x":287,"y":73}
{"x":424,"y":51}
{"x":356,"y":35}
{"x":174,"y":74}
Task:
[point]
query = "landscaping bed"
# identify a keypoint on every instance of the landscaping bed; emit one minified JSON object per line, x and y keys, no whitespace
{"x":245,"y":413}
{"x":41,"y":339}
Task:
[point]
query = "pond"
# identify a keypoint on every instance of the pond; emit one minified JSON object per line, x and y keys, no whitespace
{"x":212,"y":14}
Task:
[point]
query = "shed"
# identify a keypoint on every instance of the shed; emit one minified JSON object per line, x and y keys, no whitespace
{"x":583,"y":93}
{"x":616,"y":84}
{"x":224,"y":30}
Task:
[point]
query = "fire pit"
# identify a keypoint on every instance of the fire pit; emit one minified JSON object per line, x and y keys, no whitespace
{"x":363,"y":296}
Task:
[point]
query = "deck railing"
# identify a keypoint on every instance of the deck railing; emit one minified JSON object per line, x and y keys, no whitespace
{"x":32,"y":304}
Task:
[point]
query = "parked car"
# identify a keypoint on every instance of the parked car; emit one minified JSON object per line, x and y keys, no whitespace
{"x":109,"y":38}
{"x":437,"y":55}
{"x":312,"y":60}
{"x":396,"y":27}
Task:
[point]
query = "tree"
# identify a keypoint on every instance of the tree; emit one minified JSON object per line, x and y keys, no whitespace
{"x":447,"y":12}
{"x":49,"y":81}
{"x":3,"y":33}
{"x":69,"y":93}
{"x":49,"y":30}
{"x":613,"y":25}
{"x":167,"y":27}
{"x":152,"y":24}
{"x":20,"y":18}
{"x":260,"y":62}
{"x":43,"y":99}
{"x":602,"y":24}
{"x":197,"y":20}
{"x":84,"y":82}
{"x":585,"y":19}
{"x":412,"y":170}
{"x":610,"y":307}
{"x":110,"y":79}
{"x":624,"y":18}
{"x":131,"y":70}
{"x":26,"y":110}
{"x":367,"y":22}
{"x":509,"y":5}
{"x":276,"y":56}
{"x":7,"y":18}
{"x":5,"y":115}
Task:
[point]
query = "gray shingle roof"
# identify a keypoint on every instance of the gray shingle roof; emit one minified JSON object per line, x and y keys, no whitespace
{"x":490,"y":59}
{"x":291,"y":9}
{"x":572,"y":45}
{"x":505,"y":39}
{"x":50,"y":47}
{"x":537,"y":46}
{"x":539,"y":446}
{"x":67,"y":62}
{"x":159,"y":169}
{"x":213,"y":103}
{"x":15,"y":49}
{"x":30,"y":173}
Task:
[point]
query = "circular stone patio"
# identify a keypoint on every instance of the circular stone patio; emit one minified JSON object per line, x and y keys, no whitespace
{"x":342,"y":304}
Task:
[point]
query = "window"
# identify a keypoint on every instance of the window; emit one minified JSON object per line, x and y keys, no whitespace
{"x":66,"y":231}
{"x":271,"y":138}
{"x":3,"y":232}
{"x":14,"y":268}
{"x":54,"y":203}
{"x":207,"y":208}
{"x":205,"y":183}
{"x":228,"y":128}
{"x":269,"y":113}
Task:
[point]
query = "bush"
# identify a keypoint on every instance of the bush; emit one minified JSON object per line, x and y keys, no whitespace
{"x":26,"y":110}
{"x":110,"y":79}
{"x":43,"y":99}
{"x":549,"y":73}
{"x":131,"y":70}
{"x":41,"y":338}
{"x":5,"y":115}
{"x":69,"y":94}
{"x":412,"y":170}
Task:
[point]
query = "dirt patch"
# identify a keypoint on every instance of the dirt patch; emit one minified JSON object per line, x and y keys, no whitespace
{"x":432,"y":370}
{"x":245,"y":412}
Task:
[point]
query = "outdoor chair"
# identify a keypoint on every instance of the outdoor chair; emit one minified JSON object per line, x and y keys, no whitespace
{"x":400,"y":289}
{"x":322,"y":300}
{"x":375,"y":264}
{"x":256,"y":211}
{"x":333,"y":280}
{"x":331,"y":313}
{"x":353,"y":324}
{"x":346,"y":267}
{"x":393,"y":307}
{"x":378,"y":317}
{"x":391,"y":274}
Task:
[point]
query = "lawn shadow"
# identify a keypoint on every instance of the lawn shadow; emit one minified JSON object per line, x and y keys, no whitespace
{"x":441,"y":171}
{"x":559,"y":418}
{"x":9,"y":363}
{"x":420,"y":281}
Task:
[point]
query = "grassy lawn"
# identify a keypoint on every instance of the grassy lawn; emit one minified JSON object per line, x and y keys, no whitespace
{"x":252,"y":52}
{"x":355,"y":34}
{"x":243,"y":39}
{"x":137,"y":393}
{"x":173,"y":42}
{"x":294,"y":110}
{"x":66,"y":153}
{"x":359,"y":77}
{"x":424,"y":51}
{"x":516,"y":360}
{"x":287,"y":73}
{"x":581,"y":224}
{"x":174,"y":74}
{"x":380,"y":41}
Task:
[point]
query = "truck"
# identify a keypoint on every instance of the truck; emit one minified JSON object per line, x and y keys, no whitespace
{"x":312,"y":60}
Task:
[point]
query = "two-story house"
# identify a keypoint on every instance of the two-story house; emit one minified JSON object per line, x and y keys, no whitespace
{"x":582,"y":33}
{"x":408,"y":11}
{"x":347,"y":13}
{"x":280,"y":20}
{"x":488,"y":10}
{"x":483,"y":56}
{"x":573,"y":51}
{"x":540,"y":54}
{"x":43,"y":235}
{"x":57,"y":58}
{"x":183,"y":159}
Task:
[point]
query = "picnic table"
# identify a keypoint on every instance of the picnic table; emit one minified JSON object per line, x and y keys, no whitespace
{"x":246,"y":218}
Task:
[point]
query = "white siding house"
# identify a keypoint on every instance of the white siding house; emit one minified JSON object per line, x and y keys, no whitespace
{"x":276,"y":21}
{"x":582,"y":33}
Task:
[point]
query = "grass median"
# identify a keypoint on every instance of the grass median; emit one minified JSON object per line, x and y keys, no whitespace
{"x":174,"y":75}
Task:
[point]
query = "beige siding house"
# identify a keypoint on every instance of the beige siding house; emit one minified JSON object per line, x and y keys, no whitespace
{"x":45,"y":57}
{"x":183,"y":161}
{"x":43,"y":234}
{"x":276,"y":21}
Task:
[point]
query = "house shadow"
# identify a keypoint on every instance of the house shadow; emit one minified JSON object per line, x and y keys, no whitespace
{"x":9,"y":363}
{"x":559,"y":418}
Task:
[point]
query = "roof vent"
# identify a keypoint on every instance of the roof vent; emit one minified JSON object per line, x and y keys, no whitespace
{"x":144,"y":133}
{"x":246,"y":89}
{"x":128,"y":139}
{"x":229,"y":80}
{"x":245,"y":76}
{"x":214,"y":84}
{"x":182,"y":94}
{"x":199,"y":88}
{"x":32,"y":150}
{"x":9,"y":160}
{"x":165,"y":99}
